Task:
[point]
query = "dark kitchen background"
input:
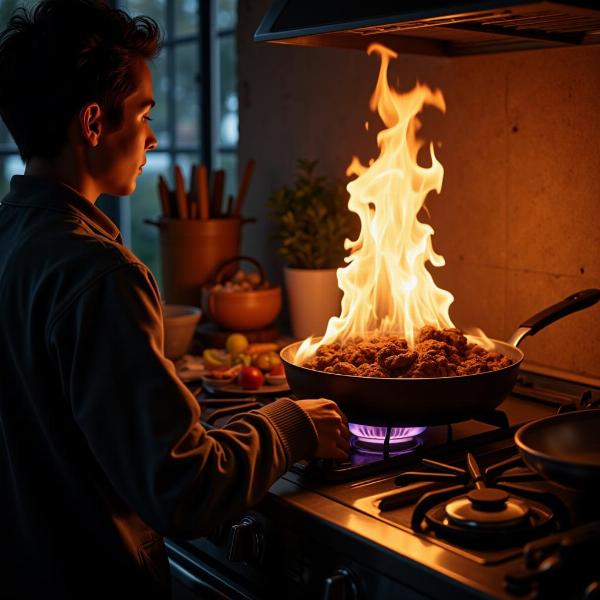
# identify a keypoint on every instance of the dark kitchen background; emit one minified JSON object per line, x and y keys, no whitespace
{"x":466,"y":497}
{"x":518,"y":217}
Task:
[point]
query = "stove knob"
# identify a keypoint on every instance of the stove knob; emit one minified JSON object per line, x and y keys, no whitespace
{"x":247,"y":541}
{"x":342,"y":585}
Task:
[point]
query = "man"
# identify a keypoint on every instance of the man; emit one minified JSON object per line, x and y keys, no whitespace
{"x":101,"y":450}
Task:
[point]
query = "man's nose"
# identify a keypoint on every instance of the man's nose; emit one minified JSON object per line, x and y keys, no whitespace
{"x":151,"y":142}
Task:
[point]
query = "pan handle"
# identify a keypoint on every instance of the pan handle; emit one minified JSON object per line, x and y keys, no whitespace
{"x":569,"y":305}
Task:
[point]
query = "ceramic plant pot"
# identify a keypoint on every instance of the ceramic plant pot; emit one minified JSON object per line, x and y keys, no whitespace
{"x":313,"y":298}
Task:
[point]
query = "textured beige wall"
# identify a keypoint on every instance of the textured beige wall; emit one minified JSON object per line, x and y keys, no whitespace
{"x":518,"y":219}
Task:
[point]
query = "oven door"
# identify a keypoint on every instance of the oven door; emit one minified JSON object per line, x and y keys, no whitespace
{"x":193,"y":579}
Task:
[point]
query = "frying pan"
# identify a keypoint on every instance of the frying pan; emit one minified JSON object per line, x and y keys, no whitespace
{"x":428,"y":400}
{"x":564,"y":448}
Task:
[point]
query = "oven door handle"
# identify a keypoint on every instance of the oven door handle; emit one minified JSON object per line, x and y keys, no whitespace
{"x":195,"y":577}
{"x":194,"y":584}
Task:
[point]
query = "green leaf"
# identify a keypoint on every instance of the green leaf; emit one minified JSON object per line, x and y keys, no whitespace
{"x":311,"y":219}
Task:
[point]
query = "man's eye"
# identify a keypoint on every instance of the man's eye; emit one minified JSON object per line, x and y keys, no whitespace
{"x":147,"y":118}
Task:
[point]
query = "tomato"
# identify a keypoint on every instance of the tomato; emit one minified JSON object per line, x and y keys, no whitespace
{"x":251,"y":378}
{"x":277,"y":371}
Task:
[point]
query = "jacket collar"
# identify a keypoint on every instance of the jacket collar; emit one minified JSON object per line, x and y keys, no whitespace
{"x":40,"y":192}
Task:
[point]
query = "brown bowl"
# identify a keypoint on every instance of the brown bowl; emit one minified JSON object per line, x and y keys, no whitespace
{"x":244,"y":310}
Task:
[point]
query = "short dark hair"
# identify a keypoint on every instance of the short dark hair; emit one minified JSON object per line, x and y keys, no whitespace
{"x":61,"y":55}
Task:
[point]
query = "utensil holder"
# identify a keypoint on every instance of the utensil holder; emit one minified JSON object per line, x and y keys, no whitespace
{"x":191,"y":251}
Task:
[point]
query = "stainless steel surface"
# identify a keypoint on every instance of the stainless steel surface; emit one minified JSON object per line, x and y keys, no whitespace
{"x":436,"y":28}
{"x":517,"y":337}
{"x":323,"y":538}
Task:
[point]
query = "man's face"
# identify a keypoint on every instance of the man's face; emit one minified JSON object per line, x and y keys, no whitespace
{"x":121,"y":153}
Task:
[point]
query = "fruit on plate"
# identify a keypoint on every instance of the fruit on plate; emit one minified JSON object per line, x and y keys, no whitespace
{"x":242,"y":359}
{"x":277,"y":371}
{"x":216,"y":359}
{"x":260,"y":347}
{"x":236,"y":343}
{"x":230,"y":373}
{"x":266,"y":360}
{"x":251,"y":378}
{"x":242,"y":281}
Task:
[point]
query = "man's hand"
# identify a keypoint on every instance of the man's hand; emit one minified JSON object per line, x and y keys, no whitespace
{"x":332,"y":428}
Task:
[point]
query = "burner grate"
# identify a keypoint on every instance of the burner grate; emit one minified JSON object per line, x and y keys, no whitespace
{"x":469,"y":506}
{"x":559,"y":566}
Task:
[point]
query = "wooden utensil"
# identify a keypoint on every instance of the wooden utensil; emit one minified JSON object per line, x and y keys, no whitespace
{"x":203,"y":192}
{"x":229,"y":205}
{"x":239,"y":202}
{"x":163,"y":194}
{"x":192,"y":196}
{"x":182,"y":205}
{"x":217,"y":193}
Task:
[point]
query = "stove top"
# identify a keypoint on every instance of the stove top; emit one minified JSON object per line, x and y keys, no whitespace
{"x":449,"y":511}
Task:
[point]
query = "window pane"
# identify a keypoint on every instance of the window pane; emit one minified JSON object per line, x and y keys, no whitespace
{"x":160,"y":88}
{"x":228,"y":100}
{"x":226,"y":14}
{"x":151,"y":8}
{"x":144,"y":204}
{"x":9,"y":166}
{"x":6,"y":140}
{"x":228,"y":162}
{"x":186,"y":17}
{"x":186,"y":94}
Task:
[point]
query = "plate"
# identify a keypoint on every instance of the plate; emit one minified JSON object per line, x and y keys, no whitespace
{"x":190,"y":368}
{"x":234,"y":388}
{"x":214,"y":383}
{"x":274,"y":380}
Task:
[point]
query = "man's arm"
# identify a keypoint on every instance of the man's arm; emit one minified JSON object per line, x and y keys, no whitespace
{"x":142,"y":423}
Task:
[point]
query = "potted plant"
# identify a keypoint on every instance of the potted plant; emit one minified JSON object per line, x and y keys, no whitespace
{"x":311,"y":220}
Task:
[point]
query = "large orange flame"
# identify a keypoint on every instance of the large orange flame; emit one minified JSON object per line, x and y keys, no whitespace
{"x":387,"y":288}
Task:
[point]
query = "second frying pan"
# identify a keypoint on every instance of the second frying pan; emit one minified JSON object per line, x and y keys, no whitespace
{"x":564,"y":448}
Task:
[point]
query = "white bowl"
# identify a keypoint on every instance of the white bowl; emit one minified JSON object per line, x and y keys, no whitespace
{"x":179,"y":325}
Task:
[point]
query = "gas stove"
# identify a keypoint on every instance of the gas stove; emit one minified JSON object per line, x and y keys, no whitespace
{"x":444,"y":512}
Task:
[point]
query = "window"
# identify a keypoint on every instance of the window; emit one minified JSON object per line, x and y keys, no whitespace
{"x":195,"y":118}
{"x":196,"y":114}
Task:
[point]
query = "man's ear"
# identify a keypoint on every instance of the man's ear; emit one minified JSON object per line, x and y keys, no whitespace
{"x":90,"y":121}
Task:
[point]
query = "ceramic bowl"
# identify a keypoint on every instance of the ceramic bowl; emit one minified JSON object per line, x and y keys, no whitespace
{"x":179,"y":325}
{"x":244,"y":310}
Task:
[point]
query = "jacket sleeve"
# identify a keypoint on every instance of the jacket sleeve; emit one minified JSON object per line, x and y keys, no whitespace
{"x":142,"y":423}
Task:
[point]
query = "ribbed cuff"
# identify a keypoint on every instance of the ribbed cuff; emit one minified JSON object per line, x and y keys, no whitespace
{"x":295,"y":428}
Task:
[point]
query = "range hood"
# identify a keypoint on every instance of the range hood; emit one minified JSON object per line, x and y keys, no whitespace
{"x":435,"y":28}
